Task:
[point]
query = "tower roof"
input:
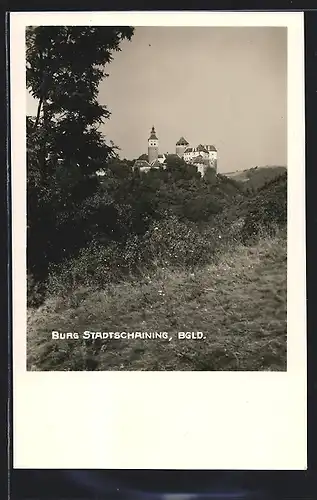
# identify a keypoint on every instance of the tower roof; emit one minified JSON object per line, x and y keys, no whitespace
{"x":202,"y":148}
{"x":155,"y":164}
{"x":141,"y":163}
{"x":172,"y":156}
{"x":153,"y":134}
{"x":182,"y":142}
{"x":210,"y":147}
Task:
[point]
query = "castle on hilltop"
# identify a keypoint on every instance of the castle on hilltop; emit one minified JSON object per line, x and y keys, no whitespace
{"x":203,"y":156}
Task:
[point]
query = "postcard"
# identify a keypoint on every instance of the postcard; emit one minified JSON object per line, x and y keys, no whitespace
{"x":158,"y":240}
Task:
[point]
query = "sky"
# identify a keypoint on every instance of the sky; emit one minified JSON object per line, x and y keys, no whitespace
{"x":225,"y":86}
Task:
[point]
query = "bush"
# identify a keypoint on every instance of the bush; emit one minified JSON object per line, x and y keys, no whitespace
{"x":168,"y":243}
{"x":267,"y":211}
{"x":35,"y":291}
{"x":176,"y":243}
{"x":96,"y":265}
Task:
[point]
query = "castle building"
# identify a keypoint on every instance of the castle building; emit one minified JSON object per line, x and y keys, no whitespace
{"x":203,"y":156}
{"x":205,"y":150}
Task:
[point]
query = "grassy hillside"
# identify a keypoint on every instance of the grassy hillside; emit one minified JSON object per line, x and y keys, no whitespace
{"x":265,"y":207}
{"x":238,"y":302}
{"x":256,"y":177}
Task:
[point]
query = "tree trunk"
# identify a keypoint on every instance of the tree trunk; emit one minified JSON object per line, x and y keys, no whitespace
{"x":38,"y":113}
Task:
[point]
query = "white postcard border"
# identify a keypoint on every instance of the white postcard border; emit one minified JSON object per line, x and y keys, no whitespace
{"x":168,"y":420}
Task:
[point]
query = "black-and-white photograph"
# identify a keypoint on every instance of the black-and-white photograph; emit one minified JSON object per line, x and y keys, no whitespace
{"x":156,"y":198}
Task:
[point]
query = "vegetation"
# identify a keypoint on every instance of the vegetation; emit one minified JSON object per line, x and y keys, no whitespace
{"x":238,"y":302}
{"x":177,"y":275}
{"x":129,"y":251}
{"x":65,"y":149}
{"x":256,"y":177}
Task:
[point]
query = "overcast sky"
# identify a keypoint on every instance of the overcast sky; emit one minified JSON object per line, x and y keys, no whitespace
{"x":222,"y":86}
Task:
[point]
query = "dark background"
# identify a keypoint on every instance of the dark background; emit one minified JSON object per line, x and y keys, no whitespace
{"x":51,"y":485}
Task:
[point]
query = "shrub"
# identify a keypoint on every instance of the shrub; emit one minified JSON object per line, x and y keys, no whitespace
{"x":95,"y":265}
{"x":267,"y":211}
{"x":168,"y":243}
{"x":35,"y":291}
{"x":176,"y":243}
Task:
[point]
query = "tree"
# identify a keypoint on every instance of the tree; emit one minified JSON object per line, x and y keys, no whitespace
{"x":120,"y":168}
{"x":179,"y":169}
{"x":65,"y":148}
{"x":144,"y":156}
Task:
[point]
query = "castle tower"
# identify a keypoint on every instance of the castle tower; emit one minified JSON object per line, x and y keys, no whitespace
{"x":181,"y":145}
{"x":152,"y":146}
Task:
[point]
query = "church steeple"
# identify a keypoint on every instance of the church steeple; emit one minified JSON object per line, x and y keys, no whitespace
{"x":153,"y":146}
{"x":153,"y":134}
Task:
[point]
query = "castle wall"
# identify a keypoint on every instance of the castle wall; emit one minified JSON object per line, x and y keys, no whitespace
{"x":212,"y":155}
{"x":201,"y":169}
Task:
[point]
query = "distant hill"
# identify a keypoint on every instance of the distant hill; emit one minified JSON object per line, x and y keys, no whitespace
{"x":256,"y":177}
{"x":261,"y":208}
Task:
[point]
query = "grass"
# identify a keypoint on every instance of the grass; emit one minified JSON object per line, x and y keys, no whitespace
{"x":257,"y":177}
{"x":238,"y":301}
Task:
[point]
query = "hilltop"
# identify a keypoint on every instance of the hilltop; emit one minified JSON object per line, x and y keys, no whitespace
{"x":256,"y":177}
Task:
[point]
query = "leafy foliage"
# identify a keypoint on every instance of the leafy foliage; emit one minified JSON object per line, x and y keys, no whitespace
{"x":267,"y":210}
{"x":65,"y":149}
{"x":167,"y":243}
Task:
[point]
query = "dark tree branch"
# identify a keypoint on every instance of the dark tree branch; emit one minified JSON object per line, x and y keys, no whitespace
{"x":38,"y":113}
